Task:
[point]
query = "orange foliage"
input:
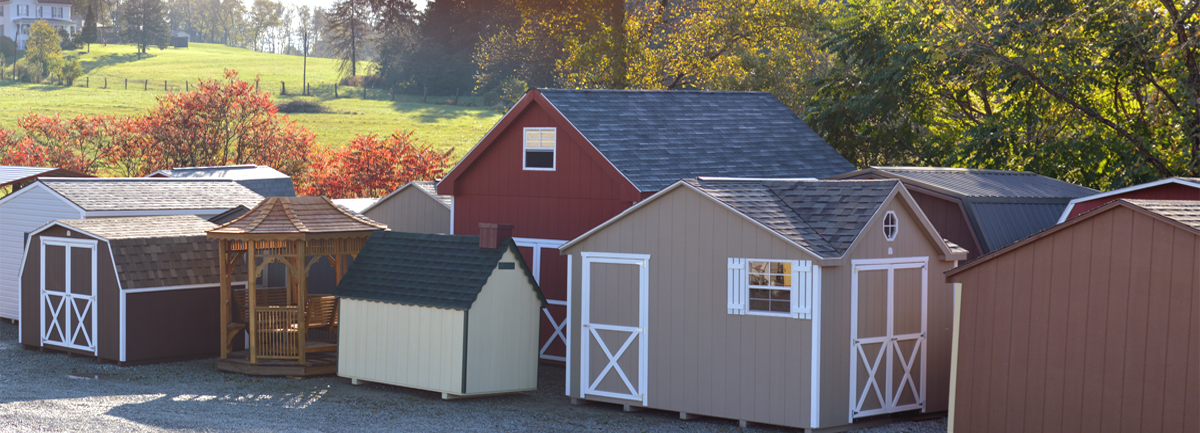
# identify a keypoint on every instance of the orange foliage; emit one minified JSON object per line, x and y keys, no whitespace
{"x":370,"y":166}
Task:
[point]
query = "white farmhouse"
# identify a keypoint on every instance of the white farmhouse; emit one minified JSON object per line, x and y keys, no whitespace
{"x":17,"y":16}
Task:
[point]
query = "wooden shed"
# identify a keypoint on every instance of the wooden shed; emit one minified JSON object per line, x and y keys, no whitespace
{"x":561,"y":162}
{"x":48,"y":199}
{"x":131,"y":290}
{"x":1092,"y":325}
{"x":799,"y":303}
{"x":445,"y":313}
{"x":415,"y":207}
{"x":1173,"y":188}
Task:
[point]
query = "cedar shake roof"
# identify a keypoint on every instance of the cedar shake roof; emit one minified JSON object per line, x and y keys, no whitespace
{"x":158,"y":251}
{"x":298,"y":215}
{"x":824,"y":216}
{"x":655,"y":138}
{"x":117,"y":194}
{"x":428,"y":270}
{"x":1186,"y":212}
{"x":264,"y":180}
{"x":1002,"y":206}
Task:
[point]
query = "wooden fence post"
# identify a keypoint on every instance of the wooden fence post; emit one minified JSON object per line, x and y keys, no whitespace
{"x":164,"y":85}
{"x":146,"y":84}
{"x":425,"y":95}
{"x":87,"y":81}
{"x":335,"y":90}
{"x":186,"y":87}
{"x":364,"y":90}
{"x":282,"y":87}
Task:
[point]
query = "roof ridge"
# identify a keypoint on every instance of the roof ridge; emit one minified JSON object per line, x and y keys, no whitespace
{"x":631,"y":91}
{"x":958,"y":170}
{"x":354,"y":215}
{"x":292,"y":218}
{"x":262,"y":216}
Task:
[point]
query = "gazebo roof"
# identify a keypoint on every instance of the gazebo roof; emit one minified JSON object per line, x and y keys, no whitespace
{"x":302,"y":216}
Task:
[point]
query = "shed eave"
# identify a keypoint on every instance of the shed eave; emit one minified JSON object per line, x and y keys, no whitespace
{"x":1139,"y":187}
{"x":484,"y":142}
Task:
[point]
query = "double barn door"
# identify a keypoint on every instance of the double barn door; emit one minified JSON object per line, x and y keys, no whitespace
{"x":68,"y":293}
{"x":888,"y":314}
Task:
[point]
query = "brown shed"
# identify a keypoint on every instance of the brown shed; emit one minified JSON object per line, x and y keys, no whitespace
{"x":132,"y":290}
{"x":415,"y":207}
{"x":1092,"y":325}
{"x":800,"y":303}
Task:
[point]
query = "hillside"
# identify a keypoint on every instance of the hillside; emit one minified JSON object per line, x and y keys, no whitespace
{"x":442,"y":126}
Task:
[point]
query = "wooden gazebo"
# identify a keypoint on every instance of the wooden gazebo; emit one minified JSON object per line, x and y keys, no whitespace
{"x":297,"y":232}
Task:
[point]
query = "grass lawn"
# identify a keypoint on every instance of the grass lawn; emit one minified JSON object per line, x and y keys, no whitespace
{"x":442,"y":126}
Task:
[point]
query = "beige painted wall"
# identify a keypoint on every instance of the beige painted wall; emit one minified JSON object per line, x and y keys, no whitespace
{"x":502,"y":333}
{"x":403,"y":345}
{"x":413,"y":211}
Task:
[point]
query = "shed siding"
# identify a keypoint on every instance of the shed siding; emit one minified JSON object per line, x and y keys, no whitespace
{"x":1168,"y":191}
{"x":701,"y":359}
{"x":502,"y":335}
{"x":34,"y":207}
{"x":402,"y":345}
{"x":170,"y":325}
{"x":949,"y":218}
{"x":910,"y":241}
{"x":1094,"y":331}
{"x":412,"y":211}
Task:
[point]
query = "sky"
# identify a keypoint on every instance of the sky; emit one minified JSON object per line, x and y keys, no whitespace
{"x":327,"y":3}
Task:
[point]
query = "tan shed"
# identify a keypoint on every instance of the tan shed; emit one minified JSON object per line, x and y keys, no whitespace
{"x":451,"y":314}
{"x":1092,"y":325}
{"x":799,"y":303}
{"x":415,"y":207}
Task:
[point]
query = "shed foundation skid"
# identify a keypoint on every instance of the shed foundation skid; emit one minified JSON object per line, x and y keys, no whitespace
{"x":316,"y":364}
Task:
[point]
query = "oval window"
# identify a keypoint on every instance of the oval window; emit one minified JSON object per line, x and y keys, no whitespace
{"x":890,"y":226}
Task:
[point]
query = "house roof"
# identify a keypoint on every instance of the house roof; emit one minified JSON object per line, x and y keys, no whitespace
{"x":428,"y":187}
{"x":10,"y":174}
{"x":297,"y":215}
{"x":428,"y":270}
{"x":1003,"y":206}
{"x":159,"y":251}
{"x":262,"y":179}
{"x":1186,"y":181}
{"x":117,"y":194}
{"x":1183,"y":213}
{"x":657,"y":137}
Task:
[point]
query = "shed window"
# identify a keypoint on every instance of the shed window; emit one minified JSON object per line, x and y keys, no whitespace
{"x":770,"y":287}
{"x":539,"y":148}
{"x":890,"y":226}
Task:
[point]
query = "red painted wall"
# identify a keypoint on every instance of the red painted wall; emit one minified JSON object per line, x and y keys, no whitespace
{"x":1168,"y":191}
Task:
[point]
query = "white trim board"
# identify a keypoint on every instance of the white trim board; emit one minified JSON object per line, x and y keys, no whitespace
{"x":1073,"y":202}
{"x":640,"y":332}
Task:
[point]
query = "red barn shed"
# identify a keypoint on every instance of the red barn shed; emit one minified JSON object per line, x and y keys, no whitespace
{"x":1175,"y":188}
{"x":561,"y":162}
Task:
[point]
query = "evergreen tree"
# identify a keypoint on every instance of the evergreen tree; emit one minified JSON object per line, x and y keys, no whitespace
{"x":144,"y":23}
{"x":89,"y":28}
{"x":347,"y":30}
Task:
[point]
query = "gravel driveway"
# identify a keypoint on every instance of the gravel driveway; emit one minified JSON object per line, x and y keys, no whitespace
{"x":53,"y":392}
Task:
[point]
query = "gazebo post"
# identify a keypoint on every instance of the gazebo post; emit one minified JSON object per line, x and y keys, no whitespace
{"x":253,"y":301}
{"x":302,"y":331}
{"x":225,"y":283}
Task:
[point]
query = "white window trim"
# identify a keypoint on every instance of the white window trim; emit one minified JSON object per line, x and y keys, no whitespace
{"x":525,"y":149}
{"x":895,"y":226}
{"x":738,"y":288}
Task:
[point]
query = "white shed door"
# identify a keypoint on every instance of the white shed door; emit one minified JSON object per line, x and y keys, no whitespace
{"x":614,"y":315}
{"x":888,"y":311}
{"x":68,"y":293}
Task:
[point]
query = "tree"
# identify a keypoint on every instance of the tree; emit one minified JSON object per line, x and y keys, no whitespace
{"x":348,"y":30}
{"x":306,"y":33}
{"x":89,"y":33}
{"x":42,"y":49}
{"x":87,"y":144}
{"x":144,"y":23}
{"x":264,"y":15}
{"x":371,"y":167}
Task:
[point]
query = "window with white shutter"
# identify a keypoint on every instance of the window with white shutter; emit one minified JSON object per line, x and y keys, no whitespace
{"x":770,"y":287}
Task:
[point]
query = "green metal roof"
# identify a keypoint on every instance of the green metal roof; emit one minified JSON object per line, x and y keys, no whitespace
{"x":428,"y":270}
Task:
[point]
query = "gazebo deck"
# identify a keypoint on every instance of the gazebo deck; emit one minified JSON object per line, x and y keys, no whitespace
{"x":317,"y":363}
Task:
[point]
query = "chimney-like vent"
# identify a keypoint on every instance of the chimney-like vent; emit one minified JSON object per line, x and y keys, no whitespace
{"x":490,"y":234}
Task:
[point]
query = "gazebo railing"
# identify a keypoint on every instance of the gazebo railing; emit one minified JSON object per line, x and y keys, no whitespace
{"x":277,"y":332}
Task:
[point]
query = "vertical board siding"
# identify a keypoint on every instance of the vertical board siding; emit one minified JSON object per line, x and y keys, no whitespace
{"x":173,"y":324}
{"x":502,"y":337}
{"x":950,"y":220}
{"x":402,"y":345}
{"x":1169,"y":191}
{"x":35,"y":207}
{"x":1108,"y":341}
{"x":412,"y":211}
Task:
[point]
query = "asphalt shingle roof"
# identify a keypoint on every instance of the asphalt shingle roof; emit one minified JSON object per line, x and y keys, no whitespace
{"x":152,"y":194}
{"x":430,"y":188}
{"x":264,"y":180}
{"x":1187,"y":212}
{"x":142,"y":227}
{"x":429,"y":270}
{"x":824,"y":216}
{"x":656,"y":138}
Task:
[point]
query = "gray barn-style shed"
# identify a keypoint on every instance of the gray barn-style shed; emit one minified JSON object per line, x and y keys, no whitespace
{"x":131,"y":290}
{"x":415,"y":207}
{"x":451,"y":314}
{"x":799,"y":303}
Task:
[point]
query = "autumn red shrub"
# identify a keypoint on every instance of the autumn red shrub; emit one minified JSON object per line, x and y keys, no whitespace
{"x":370,"y":166}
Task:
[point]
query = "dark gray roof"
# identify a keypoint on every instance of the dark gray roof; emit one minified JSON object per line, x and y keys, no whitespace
{"x":158,"y":251}
{"x":441,"y":271}
{"x":823,"y":216}
{"x":1003,"y":206}
{"x":1187,"y":212}
{"x":656,"y":138}
{"x":266,"y":181}
{"x":117,"y":194}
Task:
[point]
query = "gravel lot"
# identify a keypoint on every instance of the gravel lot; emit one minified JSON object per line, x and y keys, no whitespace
{"x":54,"y":392}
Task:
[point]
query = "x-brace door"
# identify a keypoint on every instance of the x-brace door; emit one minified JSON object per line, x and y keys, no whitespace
{"x":888,"y":314}
{"x":68,"y":293}
{"x":614,"y":315}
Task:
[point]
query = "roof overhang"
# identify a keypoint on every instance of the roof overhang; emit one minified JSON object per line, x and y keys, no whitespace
{"x":402,"y":188}
{"x":1139,"y":187}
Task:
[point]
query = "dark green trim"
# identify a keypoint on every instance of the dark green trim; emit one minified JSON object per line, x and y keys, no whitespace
{"x":466,"y":326}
